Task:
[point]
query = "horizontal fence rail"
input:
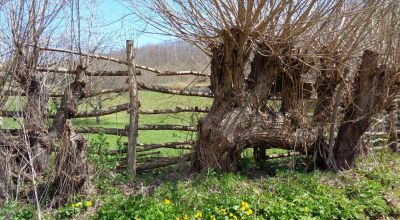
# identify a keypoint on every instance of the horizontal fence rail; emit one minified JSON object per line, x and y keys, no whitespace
{"x":148,"y":155}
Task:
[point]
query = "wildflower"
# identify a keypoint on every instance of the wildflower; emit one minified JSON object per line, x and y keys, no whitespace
{"x":178,"y":218}
{"x":198,"y":215}
{"x":79,"y":204}
{"x":185,"y":217}
{"x":213,"y":217}
{"x":89,"y":204}
{"x":224,"y":211}
{"x":244,"y":206}
{"x":167,"y":201}
{"x":249,"y":212}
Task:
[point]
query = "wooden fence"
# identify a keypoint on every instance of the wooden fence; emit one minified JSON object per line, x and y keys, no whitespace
{"x":148,"y":157}
{"x":133,"y":163}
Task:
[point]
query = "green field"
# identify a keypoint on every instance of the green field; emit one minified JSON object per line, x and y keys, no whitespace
{"x":275,"y":189}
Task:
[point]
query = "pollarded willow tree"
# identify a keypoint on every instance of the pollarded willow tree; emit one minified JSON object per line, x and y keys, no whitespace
{"x":343,"y":52}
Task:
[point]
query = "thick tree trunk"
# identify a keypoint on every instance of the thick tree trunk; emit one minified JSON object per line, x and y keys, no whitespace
{"x":69,"y":103}
{"x":34,"y":121}
{"x":371,"y":93}
{"x":241,"y":118}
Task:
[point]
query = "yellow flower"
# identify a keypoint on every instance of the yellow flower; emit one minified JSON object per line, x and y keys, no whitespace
{"x":213,"y":217}
{"x":235,"y":217}
{"x":244,"y":206}
{"x":185,"y":217}
{"x":198,"y":215}
{"x":167,"y":201}
{"x":89,"y":204}
{"x":224,"y":211}
{"x":178,"y":219}
{"x":249,"y":212}
{"x":77,"y":204}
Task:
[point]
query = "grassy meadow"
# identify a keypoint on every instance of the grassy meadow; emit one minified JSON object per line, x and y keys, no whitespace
{"x":275,"y":189}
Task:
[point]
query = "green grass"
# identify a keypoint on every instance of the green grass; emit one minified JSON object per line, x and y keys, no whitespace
{"x":370,"y":191}
{"x":152,"y":100}
{"x":276,"y":189}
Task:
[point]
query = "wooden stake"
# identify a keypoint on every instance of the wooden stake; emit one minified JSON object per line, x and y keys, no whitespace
{"x":133,"y":108}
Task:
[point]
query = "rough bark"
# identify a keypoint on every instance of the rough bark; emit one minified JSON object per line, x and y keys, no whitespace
{"x":372,"y":86}
{"x":69,"y":103}
{"x":239,"y":116}
{"x":71,"y":168}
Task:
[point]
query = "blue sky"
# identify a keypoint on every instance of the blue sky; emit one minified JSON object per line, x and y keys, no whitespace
{"x":117,"y":19}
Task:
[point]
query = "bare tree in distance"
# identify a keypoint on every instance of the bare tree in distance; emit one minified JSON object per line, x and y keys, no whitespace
{"x":349,"y":49}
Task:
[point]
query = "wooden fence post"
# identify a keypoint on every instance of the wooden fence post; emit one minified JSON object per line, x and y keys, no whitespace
{"x":133,"y":108}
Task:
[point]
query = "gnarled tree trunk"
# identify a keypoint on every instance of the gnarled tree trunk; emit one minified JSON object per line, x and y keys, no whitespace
{"x":241,"y":117}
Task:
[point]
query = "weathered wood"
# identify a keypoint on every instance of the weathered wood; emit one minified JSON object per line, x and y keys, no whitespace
{"x":164,"y":162}
{"x":87,"y":73}
{"x":123,"y":132}
{"x":180,"y":73}
{"x":174,"y":110}
{"x":101,"y":112}
{"x":147,"y":147}
{"x":100,"y":57}
{"x":149,"y":154}
{"x":69,"y":102}
{"x":106,"y":91}
{"x":94,"y":130}
{"x":374,"y":89}
{"x":118,"y":108}
{"x":107,"y":58}
{"x":133,"y":108}
{"x":167,"y":90}
{"x":167,"y":127}
{"x":172,"y":145}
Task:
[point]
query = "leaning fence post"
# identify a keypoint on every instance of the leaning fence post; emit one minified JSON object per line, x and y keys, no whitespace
{"x":133,"y":108}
